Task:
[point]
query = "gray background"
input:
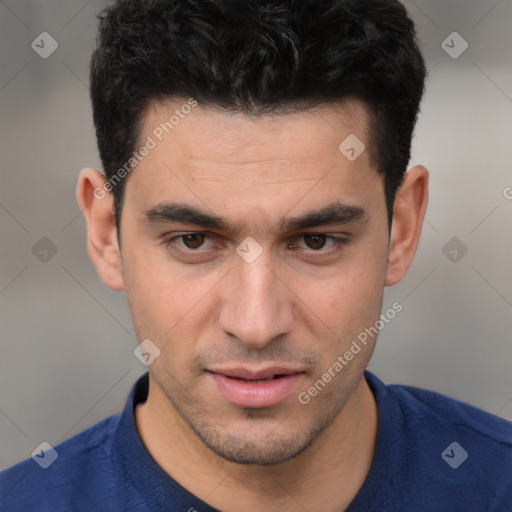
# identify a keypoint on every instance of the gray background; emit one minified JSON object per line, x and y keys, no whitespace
{"x":67,"y":341}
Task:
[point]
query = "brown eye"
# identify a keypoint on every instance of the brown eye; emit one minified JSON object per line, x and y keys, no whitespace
{"x":193,"y":240}
{"x":315,"y":241}
{"x":318,"y":244}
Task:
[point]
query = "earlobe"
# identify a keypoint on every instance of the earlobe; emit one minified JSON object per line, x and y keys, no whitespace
{"x":96,"y":204}
{"x":408,"y":214}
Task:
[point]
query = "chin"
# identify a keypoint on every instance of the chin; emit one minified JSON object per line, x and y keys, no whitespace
{"x":259,"y":454}
{"x":264,"y":450}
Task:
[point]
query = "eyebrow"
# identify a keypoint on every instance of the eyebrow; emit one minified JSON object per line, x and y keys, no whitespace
{"x":182,"y":213}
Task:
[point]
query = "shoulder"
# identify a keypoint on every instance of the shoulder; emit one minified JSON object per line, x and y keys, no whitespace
{"x":439,"y":411}
{"x":461,"y":451}
{"x":56,"y":477}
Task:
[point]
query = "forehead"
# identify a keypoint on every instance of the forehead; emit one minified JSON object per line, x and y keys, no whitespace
{"x":213,"y":135}
{"x":203,"y":155}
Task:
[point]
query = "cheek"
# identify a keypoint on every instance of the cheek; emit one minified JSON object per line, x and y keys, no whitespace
{"x":350,"y":300}
{"x":155,"y":299}
{"x":365,"y":292}
{"x":166,"y":302}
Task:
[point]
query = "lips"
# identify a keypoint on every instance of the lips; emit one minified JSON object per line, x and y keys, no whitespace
{"x":265,"y":387}
{"x":262,"y":374}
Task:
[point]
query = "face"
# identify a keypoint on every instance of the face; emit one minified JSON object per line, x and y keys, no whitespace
{"x":253,"y":254}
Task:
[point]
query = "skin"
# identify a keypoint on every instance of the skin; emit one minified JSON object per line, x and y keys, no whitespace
{"x":300,"y":304}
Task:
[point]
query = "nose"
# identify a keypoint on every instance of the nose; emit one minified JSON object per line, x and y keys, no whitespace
{"x":256,"y":305}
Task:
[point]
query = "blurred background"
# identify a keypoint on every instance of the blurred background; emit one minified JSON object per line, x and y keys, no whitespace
{"x":67,"y":341}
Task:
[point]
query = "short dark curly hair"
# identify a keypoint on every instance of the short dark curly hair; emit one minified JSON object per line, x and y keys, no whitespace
{"x":257,"y":57}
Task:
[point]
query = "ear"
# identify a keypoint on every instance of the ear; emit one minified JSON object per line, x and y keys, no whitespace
{"x":408,"y":213}
{"x":97,"y":205}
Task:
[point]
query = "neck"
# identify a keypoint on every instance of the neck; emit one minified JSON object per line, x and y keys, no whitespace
{"x":326,"y":476}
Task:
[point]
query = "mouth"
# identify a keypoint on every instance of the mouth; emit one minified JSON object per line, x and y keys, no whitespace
{"x":257,"y":380}
{"x":255,"y":389}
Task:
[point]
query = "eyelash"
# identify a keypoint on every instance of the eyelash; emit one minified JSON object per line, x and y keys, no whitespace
{"x":336,"y":247}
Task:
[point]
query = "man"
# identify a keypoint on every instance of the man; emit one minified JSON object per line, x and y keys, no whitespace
{"x":254,"y":206}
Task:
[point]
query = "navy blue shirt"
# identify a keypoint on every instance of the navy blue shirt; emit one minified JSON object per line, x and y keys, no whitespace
{"x":433,"y":454}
